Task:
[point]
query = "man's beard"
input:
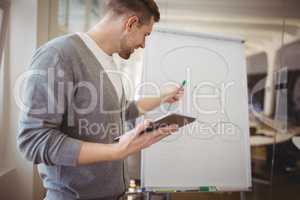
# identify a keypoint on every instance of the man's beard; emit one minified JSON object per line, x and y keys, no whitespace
{"x":125,"y":54}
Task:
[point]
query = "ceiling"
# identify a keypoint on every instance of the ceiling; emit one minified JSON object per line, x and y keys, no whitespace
{"x":264,"y":24}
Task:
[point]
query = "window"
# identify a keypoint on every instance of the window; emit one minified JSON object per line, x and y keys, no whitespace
{"x":4,"y":8}
{"x":79,"y":16}
{"x":74,"y":16}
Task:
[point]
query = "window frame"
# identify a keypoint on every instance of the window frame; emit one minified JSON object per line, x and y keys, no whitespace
{"x":4,"y":6}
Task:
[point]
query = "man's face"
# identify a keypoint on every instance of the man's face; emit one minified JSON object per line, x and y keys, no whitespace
{"x":134,"y":37}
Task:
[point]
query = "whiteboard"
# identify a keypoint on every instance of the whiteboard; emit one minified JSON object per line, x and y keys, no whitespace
{"x":214,"y":150}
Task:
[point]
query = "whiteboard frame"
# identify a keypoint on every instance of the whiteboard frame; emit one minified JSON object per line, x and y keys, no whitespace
{"x":214,"y":36}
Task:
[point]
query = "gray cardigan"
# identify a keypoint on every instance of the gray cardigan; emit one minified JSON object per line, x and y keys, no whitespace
{"x":69,"y":98}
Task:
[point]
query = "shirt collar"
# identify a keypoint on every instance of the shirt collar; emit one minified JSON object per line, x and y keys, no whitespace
{"x":93,"y":46}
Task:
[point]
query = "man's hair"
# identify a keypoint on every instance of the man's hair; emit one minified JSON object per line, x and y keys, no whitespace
{"x":144,"y":9}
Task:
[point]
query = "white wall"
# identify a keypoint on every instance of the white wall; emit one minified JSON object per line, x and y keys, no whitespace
{"x":22,"y":43}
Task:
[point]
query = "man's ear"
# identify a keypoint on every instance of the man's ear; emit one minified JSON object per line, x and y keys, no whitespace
{"x":131,"y":23}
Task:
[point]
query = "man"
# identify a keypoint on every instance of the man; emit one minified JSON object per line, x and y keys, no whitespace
{"x":75,"y":107}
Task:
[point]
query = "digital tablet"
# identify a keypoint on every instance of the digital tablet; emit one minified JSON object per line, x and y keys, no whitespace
{"x":166,"y":120}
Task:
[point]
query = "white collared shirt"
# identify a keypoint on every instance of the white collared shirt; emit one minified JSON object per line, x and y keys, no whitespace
{"x":107,"y":62}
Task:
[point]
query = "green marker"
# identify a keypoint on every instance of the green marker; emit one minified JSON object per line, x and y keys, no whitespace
{"x":183,"y":83}
{"x":207,"y":189}
{"x":181,"y":86}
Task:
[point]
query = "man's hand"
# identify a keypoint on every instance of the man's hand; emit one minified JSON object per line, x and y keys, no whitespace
{"x":173,"y":96}
{"x":133,"y":141}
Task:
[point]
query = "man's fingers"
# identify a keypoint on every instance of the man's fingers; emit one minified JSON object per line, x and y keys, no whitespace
{"x":167,"y":130}
{"x":177,"y":96}
{"x":147,"y":139}
{"x":141,"y":127}
{"x":179,"y":89}
{"x":131,"y":135}
{"x":162,"y":136}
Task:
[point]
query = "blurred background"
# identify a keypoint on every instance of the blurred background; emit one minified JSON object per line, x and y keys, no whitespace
{"x":271,"y":30}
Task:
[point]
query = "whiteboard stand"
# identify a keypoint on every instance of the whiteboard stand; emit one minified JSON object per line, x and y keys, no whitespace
{"x":148,"y":195}
{"x":166,"y":195}
{"x":243,"y":196}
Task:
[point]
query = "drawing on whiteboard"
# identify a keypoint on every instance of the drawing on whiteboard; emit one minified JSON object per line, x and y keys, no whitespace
{"x":205,"y":69}
{"x":205,"y":97}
